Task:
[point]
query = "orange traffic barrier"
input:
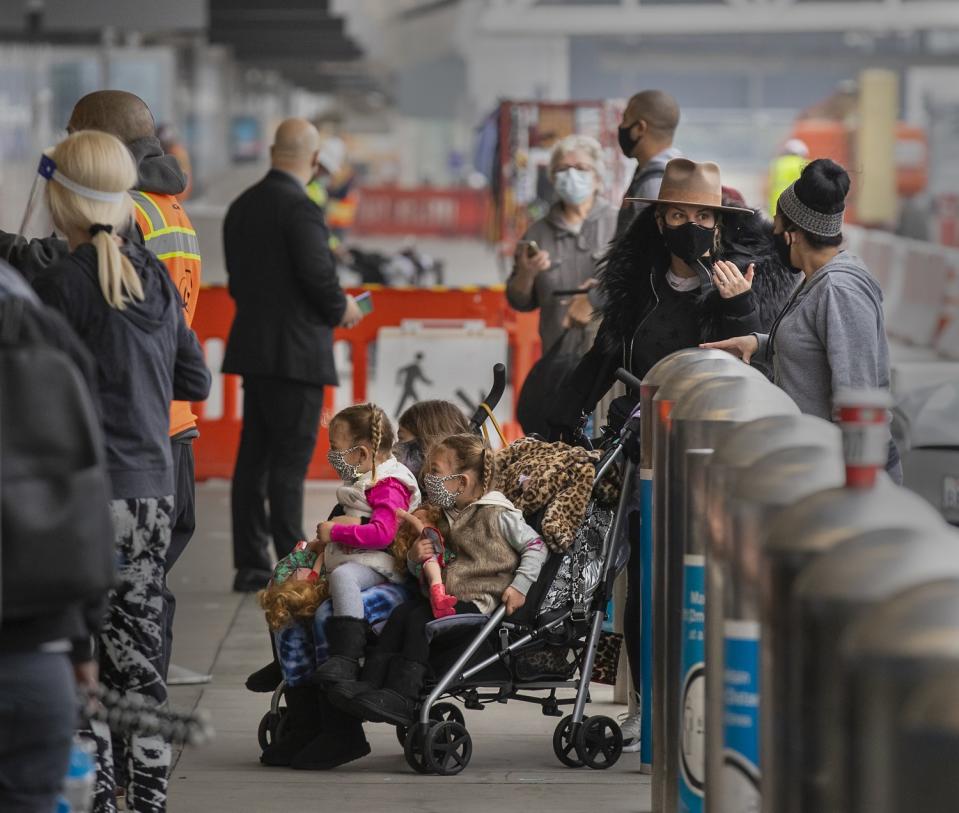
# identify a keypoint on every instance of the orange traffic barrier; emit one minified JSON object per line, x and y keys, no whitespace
{"x":834,"y":139}
{"x":220,"y":417}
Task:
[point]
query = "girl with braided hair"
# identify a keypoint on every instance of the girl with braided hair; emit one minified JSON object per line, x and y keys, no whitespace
{"x":495,"y":559}
{"x":356,"y":548}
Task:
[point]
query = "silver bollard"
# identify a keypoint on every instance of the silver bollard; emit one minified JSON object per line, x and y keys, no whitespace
{"x":684,"y":377}
{"x":929,"y":734}
{"x":692,"y":729}
{"x":868,"y":501}
{"x":775,"y":481}
{"x":900,"y":666}
{"x":699,"y":419}
{"x":739,"y":450}
{"x":650,"y":386}
{"x":830,"y":592}
{"x":654,"y":379}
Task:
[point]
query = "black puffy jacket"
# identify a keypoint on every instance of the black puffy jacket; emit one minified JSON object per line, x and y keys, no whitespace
{"x":644,"y":319}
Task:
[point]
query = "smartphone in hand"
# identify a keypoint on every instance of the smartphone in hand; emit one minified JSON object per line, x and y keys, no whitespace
{"x":364,"y":302}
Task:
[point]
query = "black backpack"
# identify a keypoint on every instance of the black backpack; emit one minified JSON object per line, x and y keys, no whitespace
{"x":56,"y":534}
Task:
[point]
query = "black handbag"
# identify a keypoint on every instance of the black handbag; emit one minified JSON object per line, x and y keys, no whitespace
{"x":545,"y":381}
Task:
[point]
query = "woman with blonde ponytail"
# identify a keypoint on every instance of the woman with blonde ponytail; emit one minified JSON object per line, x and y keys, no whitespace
{"x":84,"y":218}
{"x":119,"y":299}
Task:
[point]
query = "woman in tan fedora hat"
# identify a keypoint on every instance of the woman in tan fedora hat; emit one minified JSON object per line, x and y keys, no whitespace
{"x":690,"y":268}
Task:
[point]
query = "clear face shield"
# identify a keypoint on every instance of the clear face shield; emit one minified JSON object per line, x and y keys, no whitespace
{"x":37,"y":219}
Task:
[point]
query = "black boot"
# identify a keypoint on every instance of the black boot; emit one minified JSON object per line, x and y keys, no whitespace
{"x":302,"y":724}
{"x":342,"y":740}
{"x":372,"y":676}
{"x":396,"y":703}
{"x":346,"y":637}
{"x":267,"y":678}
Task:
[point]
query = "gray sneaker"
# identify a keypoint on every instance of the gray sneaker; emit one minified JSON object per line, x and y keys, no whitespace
{"x":181,"y":676}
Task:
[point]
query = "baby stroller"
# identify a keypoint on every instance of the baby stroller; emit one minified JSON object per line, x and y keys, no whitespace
{"x":274,"y":723}
{"x":548,"y":645}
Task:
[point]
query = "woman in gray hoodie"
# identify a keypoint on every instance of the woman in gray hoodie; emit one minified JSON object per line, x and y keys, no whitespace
{"x":831,"y":334}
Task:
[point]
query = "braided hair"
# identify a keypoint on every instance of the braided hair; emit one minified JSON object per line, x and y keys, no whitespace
{"x":376,"y":432}
{"x":473,"y":455}
{"x":488,"y":466}
{"x":367,"y":422}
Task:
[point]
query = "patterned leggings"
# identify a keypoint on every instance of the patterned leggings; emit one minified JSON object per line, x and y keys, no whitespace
{"x":131,"y":645}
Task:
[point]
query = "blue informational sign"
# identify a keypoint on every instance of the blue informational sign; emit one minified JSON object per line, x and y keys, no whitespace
{"x":646,"y":616}
{"x":740,"y":776}
{"x":692,"y":745}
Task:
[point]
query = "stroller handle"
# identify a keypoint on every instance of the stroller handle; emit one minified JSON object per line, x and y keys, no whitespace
{"x":628,"y":379}
{"x":492,"y":397}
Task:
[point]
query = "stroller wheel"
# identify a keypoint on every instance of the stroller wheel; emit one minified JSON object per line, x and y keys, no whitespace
{"x":564,"y":742}
{"x":448,"y":747}
{"x":413,"y":748}
{"x":439,"y":713}
{"x":272,"y":728}
{"x":599,"y":743}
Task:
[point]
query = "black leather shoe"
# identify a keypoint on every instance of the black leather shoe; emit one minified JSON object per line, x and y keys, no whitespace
{"x":265,"y":679}
{"x":250,"y":581}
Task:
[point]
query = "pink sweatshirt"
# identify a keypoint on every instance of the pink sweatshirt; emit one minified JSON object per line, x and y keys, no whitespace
{"x":384,"y":498}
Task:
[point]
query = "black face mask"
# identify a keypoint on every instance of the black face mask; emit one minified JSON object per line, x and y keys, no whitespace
{"x":689,"y":242}
{"x":626,"y":142}
{"x":782,"y":251}
{"x":410,"y":454}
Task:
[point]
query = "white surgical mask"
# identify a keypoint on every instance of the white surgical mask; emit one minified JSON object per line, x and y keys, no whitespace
{"x":573,"y":185}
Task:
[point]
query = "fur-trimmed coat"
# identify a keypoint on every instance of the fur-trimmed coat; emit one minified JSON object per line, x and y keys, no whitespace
{"x":644,"y":319}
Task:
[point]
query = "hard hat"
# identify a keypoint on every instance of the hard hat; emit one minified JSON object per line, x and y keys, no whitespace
{"x":332,"y":154}
{"x":796,"y":146}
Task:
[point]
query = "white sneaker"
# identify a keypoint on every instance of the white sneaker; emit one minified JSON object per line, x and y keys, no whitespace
{"x":181,"y":676}
{"x":631,"y":726}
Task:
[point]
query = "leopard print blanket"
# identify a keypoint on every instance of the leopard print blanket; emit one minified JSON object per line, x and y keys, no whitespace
{"x":536,"y":475}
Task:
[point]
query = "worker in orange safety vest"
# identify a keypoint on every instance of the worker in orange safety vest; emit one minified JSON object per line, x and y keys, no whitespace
{"x":166,"y":230}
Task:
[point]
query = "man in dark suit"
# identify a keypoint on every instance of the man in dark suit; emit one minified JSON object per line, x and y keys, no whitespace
{"x":288,"y":301}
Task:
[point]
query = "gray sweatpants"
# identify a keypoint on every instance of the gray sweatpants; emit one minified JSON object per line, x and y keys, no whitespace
{"x":347,"y":582}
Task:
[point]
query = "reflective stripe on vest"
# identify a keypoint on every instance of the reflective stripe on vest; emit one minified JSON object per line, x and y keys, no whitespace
{"x":165,"y":241}
{"x":177,"y":247}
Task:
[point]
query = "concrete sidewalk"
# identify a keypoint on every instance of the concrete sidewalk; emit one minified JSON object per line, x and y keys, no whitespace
{"x":513,"y":767}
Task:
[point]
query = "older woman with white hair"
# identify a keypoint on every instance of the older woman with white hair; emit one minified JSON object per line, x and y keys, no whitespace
{"x":559,"y":252}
